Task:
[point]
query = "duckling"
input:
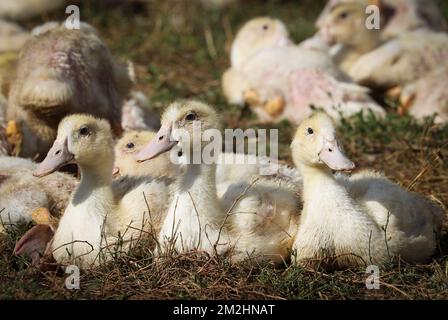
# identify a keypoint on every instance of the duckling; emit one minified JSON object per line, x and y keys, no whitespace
{"x":197,"y":219}
{"x":60,"y":72}
{"x":99,"y":215}
{"x":26,"y":9}
{"x":398,"y":15}
{"x":410,"y":15}
{"x":82,"y":229}
{"x":21,"y":194}
{"x":370,"y":61}
{"x":402,"y":60}
{"x":195,"y":216}
{"x":338,"y":29}
{"x":127,"y":148}
{"x":359,"y":220}
{"x":309,"y":78}
{"x":256,"y":35}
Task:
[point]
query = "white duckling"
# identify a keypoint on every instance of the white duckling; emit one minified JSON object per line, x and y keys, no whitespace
{"x":369,"y":60}
{"x":405,"y":15}
{"x":359,"y":220}
{"x":127,"y":148}
{"x":84,"y":226}
{"x":98,"y":213}
{"x":398,"y":15}
{"x":195,"y":217}
{"x":245,"y":219}
{"x":402,"y":60}
{"x":284,"y":82}
{"x":338,"y":28}
{"x":256,"y":35}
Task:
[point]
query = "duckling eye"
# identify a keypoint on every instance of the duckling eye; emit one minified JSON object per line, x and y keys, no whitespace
{"x":343,"y":15}
{"x":310,"y":131}
{"x":265,"y":27}
{"x":130,"y":145}
{"x":84,"y":131}
{"x":191,"y":116}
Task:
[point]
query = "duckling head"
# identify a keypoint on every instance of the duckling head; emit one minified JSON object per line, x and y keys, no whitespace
{"x":346,"y":24}
{"x":315,"y":144}
{"x":81,"y":139}
{"x":255,"y":35}
{"x":130,"y":144}
{"x":126,"y":148}
{"x":182,"y":122}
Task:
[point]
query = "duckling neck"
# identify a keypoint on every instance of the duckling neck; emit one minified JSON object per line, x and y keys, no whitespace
{"x":316,"y":179}
{"x":96,"y":176}
{"x":368,"y":41}
{"x":95,"y":185}
{"x":199,"y":180}
{"x":196,"y":195}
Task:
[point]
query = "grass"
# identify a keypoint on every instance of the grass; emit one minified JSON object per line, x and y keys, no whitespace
{"x":180,"y":51}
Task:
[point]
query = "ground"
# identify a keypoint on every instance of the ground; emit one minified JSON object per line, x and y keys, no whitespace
{"x":180,"y":51}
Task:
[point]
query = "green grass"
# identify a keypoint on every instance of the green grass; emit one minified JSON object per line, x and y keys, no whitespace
{"x":168,"y":45}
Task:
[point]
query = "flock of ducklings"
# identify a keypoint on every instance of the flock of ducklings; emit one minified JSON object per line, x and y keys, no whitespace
{"x":338,"y":68}
{"x":71,"y":103}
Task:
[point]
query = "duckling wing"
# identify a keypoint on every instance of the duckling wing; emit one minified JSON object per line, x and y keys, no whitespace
{"x":263,"y":218}
{"x":402,"y":59}
{"x":392,"y":206}
{"x":313,"y":88}
{"x":268,"y":71}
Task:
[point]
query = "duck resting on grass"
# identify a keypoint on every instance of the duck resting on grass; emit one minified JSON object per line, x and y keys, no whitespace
{"x":397,"y":16}
{"x":371,"y":61}
{"x":252,"y":220}
{"x":280,"y":80}
{"x":102,"y":218}
{"x":357,"y":220}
